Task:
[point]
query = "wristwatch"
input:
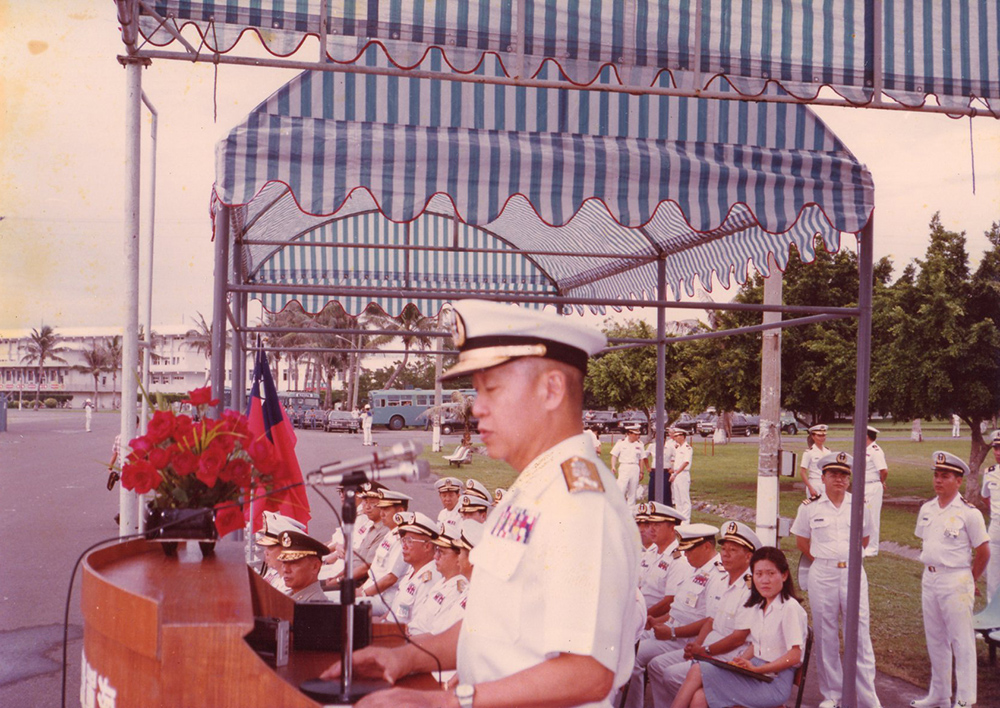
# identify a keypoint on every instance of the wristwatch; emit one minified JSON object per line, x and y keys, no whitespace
{"x":465,"y":693}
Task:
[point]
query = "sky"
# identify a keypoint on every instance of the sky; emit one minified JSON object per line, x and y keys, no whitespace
{"x":62,"y":177}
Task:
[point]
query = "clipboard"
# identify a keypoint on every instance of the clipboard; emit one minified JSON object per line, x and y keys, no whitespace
{"x":736,"y":669}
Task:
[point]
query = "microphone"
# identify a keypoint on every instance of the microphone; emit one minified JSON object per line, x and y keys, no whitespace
{"x":398,"y":462}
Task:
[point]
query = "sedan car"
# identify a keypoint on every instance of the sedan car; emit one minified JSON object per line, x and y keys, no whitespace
{"x":343,"y":421}
{"x":601,"y":422}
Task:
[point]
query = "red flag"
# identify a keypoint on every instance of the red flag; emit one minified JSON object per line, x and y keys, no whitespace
{"x":273,"y":451}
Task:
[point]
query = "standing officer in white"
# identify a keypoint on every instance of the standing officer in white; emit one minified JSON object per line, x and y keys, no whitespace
{"x":955,"y":552}
{"x":366,"y":424}
{"x":876,"y":472}
{"x":680,"y":474}
{"x":627,"y":458}
{"x":822,"y":530}
{"x":551,"y":609}
{"x":991,"y":491}
{"x":811,"y":474}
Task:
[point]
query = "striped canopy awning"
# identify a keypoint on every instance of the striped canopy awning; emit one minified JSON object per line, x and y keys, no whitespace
{"x":591,"y":188}
{"x":904,"y":49}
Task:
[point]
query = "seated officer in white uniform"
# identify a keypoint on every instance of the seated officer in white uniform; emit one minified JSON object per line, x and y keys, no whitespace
{"x":416,"y":533}
{"x":475,"y":488}
{"x":688,"y":607}
{"x":822,"y":530}
{"x":388,"y":566}
{"x":473,"y":507}
{"x":268,"y":539}
{"x":663,"y":566}
{"x":725,"y":608}
{"x":449,"y":490}
{"x":301,"y":557}
{"x":445,"y":604}
{"x":991,"y":491}
{"x":333,"y":564}
{"x":954,"y":552}
{"x":557,"y":569}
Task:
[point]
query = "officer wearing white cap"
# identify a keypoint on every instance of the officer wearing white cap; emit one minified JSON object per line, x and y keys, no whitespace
{"x":876,"y":473}
{"x":822,"y":530}
{"x":301,"y":557}
{"x":680,"y":474}
{"x":473,"y":487}
{"x":718,"y":634}
{"x":388,"y":566}
{"x":811,"y":474}
{"x":673,"y":630}
{"x":954,"y":551}
{"x":445,"y":602}
{"x":370,"y":542}
{"x":660,"y":568}
{"x":474,"y":507}
{"x":449,"y":489}
{"x":627,"y":459}
{"x":556,"y":570}
{"x":333,"y":563}
{"x":367,"y":417}
{"x":416,"y":533}
{"x":268,"y":538}
{"x":991,"y":491}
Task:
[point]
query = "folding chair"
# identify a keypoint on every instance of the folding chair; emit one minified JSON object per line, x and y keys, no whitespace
{"x":800,"y":673}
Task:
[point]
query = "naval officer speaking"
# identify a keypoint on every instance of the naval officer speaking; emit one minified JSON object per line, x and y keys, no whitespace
{"x":549,"y":619}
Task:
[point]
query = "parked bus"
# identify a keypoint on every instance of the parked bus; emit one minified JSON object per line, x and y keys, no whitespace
{"x":397,"y":409}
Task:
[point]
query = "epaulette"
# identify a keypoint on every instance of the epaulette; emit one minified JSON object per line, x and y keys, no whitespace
{"x":967,"y":502}
{"x":718,"y":565}
{"x":462,"y":584}
{"x":425,"y":577}
{"x":581,"y":475}
{"x":811,"y":499}
{"x":676,"y":554}
{"x":875,"y":446}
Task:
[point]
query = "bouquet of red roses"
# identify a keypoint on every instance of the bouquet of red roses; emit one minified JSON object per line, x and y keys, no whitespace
{"x":212,"y":463}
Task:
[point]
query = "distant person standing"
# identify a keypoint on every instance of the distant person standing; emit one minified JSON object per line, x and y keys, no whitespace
{"x":680,"y":474}
{"x":955,"y":552}
{"x":366,"y":424}
{"x":816,"y":450}
{"x":876,"y":472}
{"x":88,"y":413}
{"x":991,"y":491}
{"x":627,"y":458}
{"x":956,"y":425}
{"x":594,"y":439}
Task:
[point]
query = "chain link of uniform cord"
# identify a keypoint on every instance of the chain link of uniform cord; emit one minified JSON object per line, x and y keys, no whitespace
{"x":119,"y":539}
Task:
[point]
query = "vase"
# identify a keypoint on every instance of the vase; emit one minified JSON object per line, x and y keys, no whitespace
{"x":171,"y":526}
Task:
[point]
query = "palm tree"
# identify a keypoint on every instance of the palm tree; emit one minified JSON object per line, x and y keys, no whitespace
{"x":95,"y":363}
{"x":410,"y":320}
{"x":113,"y":350}
{"x":200,"y":338}
{"x":43,"y":345}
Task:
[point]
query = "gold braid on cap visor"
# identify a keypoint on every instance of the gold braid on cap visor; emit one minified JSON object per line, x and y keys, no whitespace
{"x":510,"y":351}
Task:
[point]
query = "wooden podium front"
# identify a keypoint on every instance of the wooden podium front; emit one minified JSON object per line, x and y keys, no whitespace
{"x":162,"y":631}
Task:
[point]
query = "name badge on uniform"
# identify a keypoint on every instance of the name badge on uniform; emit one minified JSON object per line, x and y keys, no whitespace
{"x":515,"y":524}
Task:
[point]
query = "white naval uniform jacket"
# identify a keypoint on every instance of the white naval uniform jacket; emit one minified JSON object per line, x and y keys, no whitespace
{"x":556,"y":571}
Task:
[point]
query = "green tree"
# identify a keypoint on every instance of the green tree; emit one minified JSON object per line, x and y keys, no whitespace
{"x":945,"y":338}
{"x":625,"y":379}
{"x":113,"y":348}
{"x":405,"y":327}
{"x":199,"y":338}
{"x":42,"y":346}
{"x":95,"y":363}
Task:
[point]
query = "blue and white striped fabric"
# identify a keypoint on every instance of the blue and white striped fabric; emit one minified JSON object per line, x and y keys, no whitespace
{"x":949,"y":48}
{"x":712,"y":186}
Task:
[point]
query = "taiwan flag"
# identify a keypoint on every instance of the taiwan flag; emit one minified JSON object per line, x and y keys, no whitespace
{"x":273,"y":451}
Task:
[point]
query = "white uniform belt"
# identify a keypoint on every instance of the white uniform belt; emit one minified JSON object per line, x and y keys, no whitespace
{"x":873,"y":481}
{"x":831,"y":562}
{"x":945,"y":569}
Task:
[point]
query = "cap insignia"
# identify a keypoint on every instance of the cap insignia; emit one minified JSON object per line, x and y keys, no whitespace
{"x":842,"y":457}
{"x":939,"y":457}
{"x":286,"y":540}
{"x":581,"y":475}
{"x":732,"y":527}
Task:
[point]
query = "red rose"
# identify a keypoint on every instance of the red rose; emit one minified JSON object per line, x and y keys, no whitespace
{"x":228,"y":517}
{"x":262,"y":452}
{"x":184,"y":462}
{"x":182,"y":426}
{"x":140,"y":477}
{"x":160,"y":457}
{"x":201,"y":397}
{"x":160,"y":426}
{"x":209,"y":465}
{"x":236,"y":471}
{"x":141,"y":446}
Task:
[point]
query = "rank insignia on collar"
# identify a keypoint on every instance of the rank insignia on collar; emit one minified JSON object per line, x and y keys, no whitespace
{"x":581,"y":475}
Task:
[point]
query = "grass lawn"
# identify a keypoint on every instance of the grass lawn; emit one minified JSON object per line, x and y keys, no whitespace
{"x":729,"y":475}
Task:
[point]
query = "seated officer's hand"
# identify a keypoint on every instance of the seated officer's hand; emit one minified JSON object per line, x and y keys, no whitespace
{"x":692,"y":650}
{"x":396,"y":697}
{"x":740,"y":661}
{"x":371,"y":663}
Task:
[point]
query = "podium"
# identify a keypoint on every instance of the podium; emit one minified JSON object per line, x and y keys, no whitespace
{"x":169,"y":631}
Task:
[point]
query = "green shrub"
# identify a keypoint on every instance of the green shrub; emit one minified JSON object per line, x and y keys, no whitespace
{"x":50,"y":402}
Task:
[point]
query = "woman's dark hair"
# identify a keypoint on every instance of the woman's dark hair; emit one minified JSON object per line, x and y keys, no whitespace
{"x":809,"y":441}
{"x":775,"y":555}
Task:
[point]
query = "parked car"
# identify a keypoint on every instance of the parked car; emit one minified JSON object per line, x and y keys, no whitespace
{"x":634,"y":417}
{"x":601,"y":421}
{"x":691,"y":424}
{"x":453,"y":423}
{"x":342,"y":421}
{"x":313,"y":419}
{"x":753,"y":422}
{"x":789,"y":425}
{"x":738,"y":425}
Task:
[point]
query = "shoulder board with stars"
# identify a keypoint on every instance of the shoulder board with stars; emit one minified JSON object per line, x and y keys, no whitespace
{"x":425,"y":577}
{"x":676,"y":554}
{"x":875,"y":446}
{"x":811,"y":499}
{"x":967,"y":502}
{"x":462,"y":584}
{"x":581,"y":475}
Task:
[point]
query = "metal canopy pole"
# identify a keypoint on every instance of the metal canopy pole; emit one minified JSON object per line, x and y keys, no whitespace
{"x":147,"y":342}
{"x":854,"y":567}
{"x":217,"y":373}
{"x":659,"y":490}
{"x":239,"y":356}
{"x":770,"y":413}
{"x":128,"y":504}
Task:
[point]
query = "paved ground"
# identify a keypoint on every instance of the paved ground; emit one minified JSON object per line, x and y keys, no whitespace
{"x":54,"y":504}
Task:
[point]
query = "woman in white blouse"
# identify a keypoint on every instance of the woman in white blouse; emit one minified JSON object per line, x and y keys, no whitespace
{"x":778,"y":627}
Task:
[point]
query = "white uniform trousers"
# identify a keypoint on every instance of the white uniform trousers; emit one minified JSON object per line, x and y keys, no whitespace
{"x":873,"y":500}
{"x":680,"y":494}
{"x":649,"y":648}
{"x":993,"y":568}
{"x":628,"y":481}
{"x":367,"y":434}
{"x":827,"y":586}
{"x":947,"y":596}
